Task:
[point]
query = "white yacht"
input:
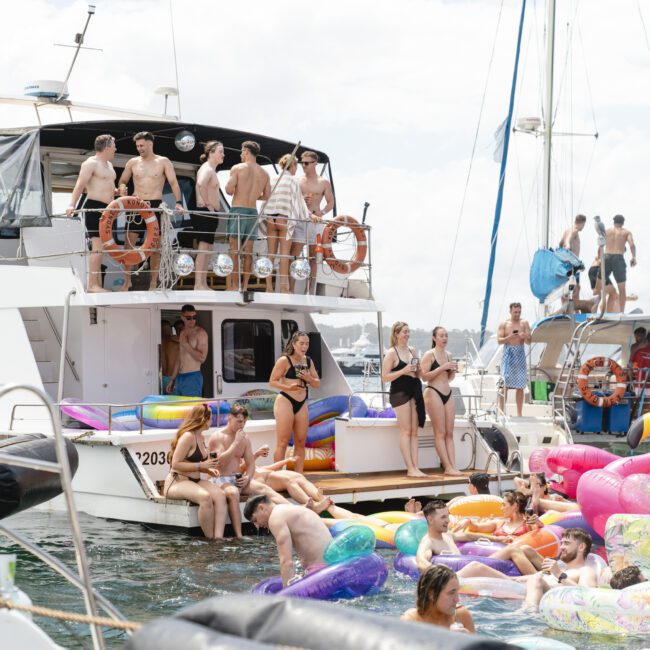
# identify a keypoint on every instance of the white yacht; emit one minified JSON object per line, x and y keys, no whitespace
{"x":360,"y":358}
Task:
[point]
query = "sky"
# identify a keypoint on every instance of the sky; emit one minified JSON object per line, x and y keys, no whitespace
{"x":405,"y":98}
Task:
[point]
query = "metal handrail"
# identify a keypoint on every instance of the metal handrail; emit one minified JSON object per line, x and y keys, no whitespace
{"x":493,"y":454}
{"x":511,"y":459}
{"x":63,"y":469}
{"x":57,"y":336}
{"x":472,"y":462}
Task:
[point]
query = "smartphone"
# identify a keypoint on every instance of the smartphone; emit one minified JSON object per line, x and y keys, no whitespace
{"x":213,"y":455}
{"x":515,"y":331}
{"x":530,"y":511}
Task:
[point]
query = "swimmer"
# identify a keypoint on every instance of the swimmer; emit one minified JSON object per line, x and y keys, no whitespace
{"x":626,"y":577}
{"x":293,"y":527}
{"x":438,"y":601}
{"x":437,"y":540}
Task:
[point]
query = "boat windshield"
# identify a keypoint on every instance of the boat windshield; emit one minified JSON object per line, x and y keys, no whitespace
{"x":486,"y":353}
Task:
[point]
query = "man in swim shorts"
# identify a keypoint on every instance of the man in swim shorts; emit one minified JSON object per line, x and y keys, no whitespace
{"x":233,"y":446}
{"x":616,"y":239}
{"x":187,"y":379}
{"x":97,"y":179}
{"x":247,"y":184}
{"x":293,"y":527}
{"x":149,"y":172}
{"x":513,"y":333}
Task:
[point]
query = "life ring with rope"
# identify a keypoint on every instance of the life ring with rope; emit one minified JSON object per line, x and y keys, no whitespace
{"x":586,"y":391}
{"x":129,"y":257}
{"x":345,"y":266}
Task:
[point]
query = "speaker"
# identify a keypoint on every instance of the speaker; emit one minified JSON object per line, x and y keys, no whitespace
{"x":315,"y":351}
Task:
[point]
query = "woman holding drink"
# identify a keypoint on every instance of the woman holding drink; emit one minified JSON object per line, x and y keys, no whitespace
{"x":437,"y":370}
{"x":292,"y":374}
{"x":400,"y":368}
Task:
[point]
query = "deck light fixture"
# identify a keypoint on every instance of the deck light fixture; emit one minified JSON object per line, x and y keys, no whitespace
{"x":222,"y":265}
{"x":185,"y":141}
{"x":183,"y":265}
{"x":299,"y":269}
{"x":263,"y":267}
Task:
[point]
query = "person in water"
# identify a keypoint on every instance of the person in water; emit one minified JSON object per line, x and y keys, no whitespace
{"x":294,"y":527}
{"x":513,"y":333}
{"x":438,"y":540}
{"x":294,"y":372}
{"x":189,"y":462}
{"x":438,"y":369}
{"x":513,"y":524}
{"x":400,"y":368}
{"x":626,"y":577}
{"x":438,"y":601}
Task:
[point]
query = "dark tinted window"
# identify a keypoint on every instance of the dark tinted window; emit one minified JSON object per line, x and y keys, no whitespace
{"x":289,"y":327}
{"x":247,"y":350}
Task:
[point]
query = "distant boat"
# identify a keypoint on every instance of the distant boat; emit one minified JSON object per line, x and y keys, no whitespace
{"x":361,"y":358}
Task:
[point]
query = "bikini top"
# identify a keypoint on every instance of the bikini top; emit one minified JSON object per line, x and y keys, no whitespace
{"x":291,"y":373}
{"x":435,"y":364}
{"x":196,"y":456}
{"x":500,"y":532}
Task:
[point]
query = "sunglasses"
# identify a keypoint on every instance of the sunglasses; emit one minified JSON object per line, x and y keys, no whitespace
{"x":190,"y":317}
{"x":307,"y":162}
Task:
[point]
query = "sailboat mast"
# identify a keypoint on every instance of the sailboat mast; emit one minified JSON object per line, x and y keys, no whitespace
{"x":548,"y":121}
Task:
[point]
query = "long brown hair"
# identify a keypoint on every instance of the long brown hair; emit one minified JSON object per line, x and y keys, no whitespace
{"x":208,"y":149}
{"x":194,"y":420}
{"x":288,"y":348}
{"x":431,"y":584}
{"x":436,"y":329}
{"x":395,"y":330}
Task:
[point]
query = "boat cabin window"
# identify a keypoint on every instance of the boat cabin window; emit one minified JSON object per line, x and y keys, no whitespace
{"x":247,"y":350}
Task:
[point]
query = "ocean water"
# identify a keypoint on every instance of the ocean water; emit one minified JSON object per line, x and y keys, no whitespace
{"x":148,"y":574}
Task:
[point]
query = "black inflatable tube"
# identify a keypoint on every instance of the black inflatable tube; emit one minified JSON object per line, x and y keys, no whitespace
{"x":20,"y":487}
{"x":271,"y":621}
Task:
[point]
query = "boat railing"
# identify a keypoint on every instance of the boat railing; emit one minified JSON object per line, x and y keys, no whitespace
{"x":242,"y":249}
{"x":495,"y":456}
{"x":62,"y":468}
{"x":472,"y":357}
{"x":512,"y":456}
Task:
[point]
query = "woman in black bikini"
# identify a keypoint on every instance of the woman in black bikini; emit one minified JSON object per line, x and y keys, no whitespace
{"x":188,"y":458}
{"x":437,"y":370}
{"x":400,"y":369}
{"x":290,"y":408}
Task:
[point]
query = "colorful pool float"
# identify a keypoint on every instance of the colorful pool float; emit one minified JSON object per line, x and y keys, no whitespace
{"x":595,"y":610}
{"x":493,"y":588}
{"x":323,"y":414}
{"x":572,"y":519}
{"x":639,"y":431}
{"x":627,"y":540}
{"x":385,"y":537}
{"x":477,"y":505}
{"x":164,"y":411}
{"x":406,"y":564}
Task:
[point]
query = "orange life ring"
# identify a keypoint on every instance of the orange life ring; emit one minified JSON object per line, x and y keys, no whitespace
{"x":615,"y":369}
{"x":129,"y":257}
{"x":345,"y":266}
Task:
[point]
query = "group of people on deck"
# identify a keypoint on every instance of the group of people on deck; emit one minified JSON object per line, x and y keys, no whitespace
{"x":293,"y":216}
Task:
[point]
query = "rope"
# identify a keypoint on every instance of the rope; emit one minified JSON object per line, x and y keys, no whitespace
{"x":69,"y":616}
{"x":167,"y":276}
{"x":469,"y":170}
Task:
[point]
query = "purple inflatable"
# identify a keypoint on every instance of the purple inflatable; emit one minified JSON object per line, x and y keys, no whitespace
{"x":406,"y":564}
{"x":480,"y":548}
{"x":361,"y":576}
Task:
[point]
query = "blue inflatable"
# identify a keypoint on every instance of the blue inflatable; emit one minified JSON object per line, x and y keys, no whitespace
{"x":355,"y":541}
{"x":361,"y":576}
{"x":163,"y":411}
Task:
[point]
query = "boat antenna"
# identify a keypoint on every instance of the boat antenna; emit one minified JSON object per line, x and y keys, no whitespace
{"x":366,"y":205}
{"x":178,"y":87}
{"x":78,"y":39}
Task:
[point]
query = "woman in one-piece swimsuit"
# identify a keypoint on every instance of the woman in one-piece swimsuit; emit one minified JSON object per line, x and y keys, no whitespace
{"x":437,"y":370}
{"x":405,"y":395}
{"x":188,"y":459}
{"x":290,"y":407}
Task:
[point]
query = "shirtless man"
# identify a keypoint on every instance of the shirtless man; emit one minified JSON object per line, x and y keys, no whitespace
{"x":193,"y":351}
{"x":97,"y":178}
{"x":149,"y":173}
{"x":513,"y":333}
{"x":574,"y":548}
{"x":437,"y":540}
{"x":207,"y":200}
{"x":247,"y":184}
{"x":169,"y":349}
{"x":571,"y":241}
{"x":293,"y":527}
{"x":616,"y":239}
{"x":314,"y":188}
{"x":232,"y":445}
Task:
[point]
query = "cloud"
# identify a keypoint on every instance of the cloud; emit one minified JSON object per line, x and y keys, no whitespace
{"x":392,"y":92}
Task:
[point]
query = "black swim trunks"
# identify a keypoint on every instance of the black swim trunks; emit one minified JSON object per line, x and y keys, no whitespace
{"x":615,"y":263}
{"x":594,"y":274}
{"x":135,"y":223}
{"x":204,"y":226}
{"x":92,"y":217}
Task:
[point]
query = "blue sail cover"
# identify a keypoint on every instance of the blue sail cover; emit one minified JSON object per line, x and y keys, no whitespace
{"x":551,"y":269}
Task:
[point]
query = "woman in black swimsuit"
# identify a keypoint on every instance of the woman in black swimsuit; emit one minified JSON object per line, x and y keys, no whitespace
{"x":290,"y":408}
{"x":188,"y":459}
{"x":437,"y":370}
{"x":400,"y":369}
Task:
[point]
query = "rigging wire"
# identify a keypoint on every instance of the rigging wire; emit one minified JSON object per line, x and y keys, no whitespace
{"x":645,"y":31}
{"x":471,"y":162}
{"x":178,"y":88}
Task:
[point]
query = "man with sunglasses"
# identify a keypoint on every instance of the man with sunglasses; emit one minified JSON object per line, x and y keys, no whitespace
{"x":314,"y":188}
{"x":187,"y":379}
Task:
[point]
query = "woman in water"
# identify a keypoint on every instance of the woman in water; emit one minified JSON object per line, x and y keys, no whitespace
{"x":188,"y":459}
{"x":515,"y":522}
{"x":287,"y":212}
{"x":292,"y":375}
{"x":437,"y":370}
{"x":438,"y":601}
{"x":400,"y":368}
